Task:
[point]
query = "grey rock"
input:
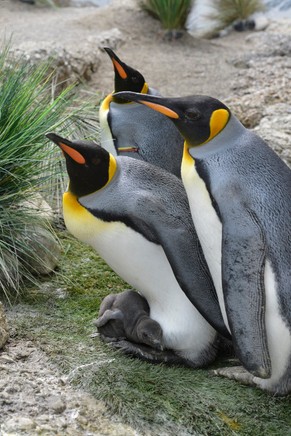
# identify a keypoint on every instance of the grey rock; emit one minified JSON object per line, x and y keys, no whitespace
{"x":262,"y":91}
{"x":269,"y":44}
{"x":5,"y":358}
{"x":38,"y":204}
{"x":56,"y":404}
{"x":18,"y":423}
{"x":72,"y":63}
{"x":4,"y":333}
{"x":275,"y":129}
{"x":46,"y":250}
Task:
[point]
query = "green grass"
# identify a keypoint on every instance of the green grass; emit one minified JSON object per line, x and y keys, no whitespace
{"x":171,"y":13}
{"x":169,"y":400}
{"x":29,"y":164}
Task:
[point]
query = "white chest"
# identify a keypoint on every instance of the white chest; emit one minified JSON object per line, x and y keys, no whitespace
{"x":207,"y":224}
{"x":145,"y":267}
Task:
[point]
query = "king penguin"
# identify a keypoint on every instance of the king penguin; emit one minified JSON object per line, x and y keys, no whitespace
{"x":239,"y":195}
{"x":136,"y":216}
{"x":134,"y":130}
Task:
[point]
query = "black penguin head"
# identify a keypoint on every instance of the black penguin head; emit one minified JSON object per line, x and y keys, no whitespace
{"x":199,"y":118}
{"x":126,"y":78}
{"x":89,"y":166}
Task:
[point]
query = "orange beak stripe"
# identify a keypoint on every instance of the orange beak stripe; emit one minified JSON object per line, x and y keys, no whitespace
{"x":74,"y":154}
{"x":120,"y":69}
{"x":162,"y":109}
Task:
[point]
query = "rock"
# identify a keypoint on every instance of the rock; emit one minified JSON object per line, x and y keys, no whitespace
{"x":4,"y":334}
{"x":72,"y":63}
{"x":19,"y":423}
{"x":266,"y":44}
{"x":275,"y":128}
{"x":45,"y":248}
{"x":5,"y":358}
{"x":261,"y":21}
{"x":56,"y":404}
{"x":37,"y":203}
{"x":261,"y":82}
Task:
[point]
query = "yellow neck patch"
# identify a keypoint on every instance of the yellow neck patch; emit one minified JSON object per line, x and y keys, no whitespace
{"x":145,"y":88}
{"x":187,"y":158}
{"x":71,"y":202}
{"x":218,"y":121}
{"x":112,"y":168}
{"x":106,"y":102}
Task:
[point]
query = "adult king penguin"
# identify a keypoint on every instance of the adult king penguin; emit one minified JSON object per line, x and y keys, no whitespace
{"x":135,"y":216}
{"x":239,"y":195}
{"x":134,"y":130}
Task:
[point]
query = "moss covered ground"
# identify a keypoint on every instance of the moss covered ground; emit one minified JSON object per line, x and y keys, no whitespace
{"x":155,"y":399}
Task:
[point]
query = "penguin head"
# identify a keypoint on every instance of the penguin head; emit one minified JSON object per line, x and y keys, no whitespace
{"x":150,"y":332}
{"x":199,"y":118}
{"x":89,"y":166}
{"x":126,"y":78}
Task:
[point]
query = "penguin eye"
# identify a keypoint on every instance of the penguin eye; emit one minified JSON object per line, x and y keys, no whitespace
{"x":192,"y":114}
{"x":96,"y":161}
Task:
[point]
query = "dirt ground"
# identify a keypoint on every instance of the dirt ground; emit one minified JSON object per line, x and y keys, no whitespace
{"x":182,"y":67}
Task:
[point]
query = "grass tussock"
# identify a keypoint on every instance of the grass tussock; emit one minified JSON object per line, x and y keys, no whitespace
{"x":171,"y":13}
{"x":28,"y":163}
{"x":226,"y":12}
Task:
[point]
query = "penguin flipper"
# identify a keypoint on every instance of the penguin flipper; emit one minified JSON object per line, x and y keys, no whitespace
{"x":107,"y":316}
{"x":243,"y":262}
{"x":193,"y":275}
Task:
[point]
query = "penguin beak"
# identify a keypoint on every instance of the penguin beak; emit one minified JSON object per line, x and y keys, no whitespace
{"x":158,"y":104}
{"x":119,"y":68}
{"x":128,"y":149}
{"x":67,"y":147}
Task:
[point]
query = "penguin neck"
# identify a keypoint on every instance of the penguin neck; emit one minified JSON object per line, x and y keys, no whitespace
{"x":223,"y":140}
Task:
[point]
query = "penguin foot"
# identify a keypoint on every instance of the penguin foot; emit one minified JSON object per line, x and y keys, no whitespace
{"x":144,"y":352}
{"x":237,"y":373}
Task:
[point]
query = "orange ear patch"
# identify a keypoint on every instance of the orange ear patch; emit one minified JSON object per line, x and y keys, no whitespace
{"x":160,"y":108}
{"x":74,"y":154}
{"x":120,"y":69}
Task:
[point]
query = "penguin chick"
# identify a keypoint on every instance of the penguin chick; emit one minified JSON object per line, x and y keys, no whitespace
{"x":126,"y":316}
{"x":129,"y":129}
{"x":136,"y":216}
{"x":239,"y":195}
{"x":124,"y":322}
